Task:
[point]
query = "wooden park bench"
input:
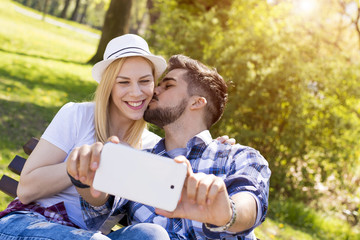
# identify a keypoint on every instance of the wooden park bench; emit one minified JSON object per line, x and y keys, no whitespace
{"x":9,"y":185}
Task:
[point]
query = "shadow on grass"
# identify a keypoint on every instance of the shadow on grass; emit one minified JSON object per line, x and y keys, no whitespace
{"x":40,"y":77}
{"x":20,"y":121}
{"x":41,"y":57}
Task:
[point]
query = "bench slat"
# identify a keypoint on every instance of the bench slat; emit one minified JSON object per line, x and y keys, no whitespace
{"x":8,"y":185}
{"x":17,"y":164}
{"x":30,"y":145}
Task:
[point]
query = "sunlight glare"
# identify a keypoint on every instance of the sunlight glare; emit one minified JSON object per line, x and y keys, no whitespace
{"x":306,"y":6}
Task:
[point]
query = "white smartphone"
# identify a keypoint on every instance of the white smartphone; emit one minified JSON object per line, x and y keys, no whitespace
{"x":140,"y":176}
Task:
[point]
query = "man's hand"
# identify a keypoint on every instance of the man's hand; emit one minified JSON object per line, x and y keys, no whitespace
{"x":204,"y":198}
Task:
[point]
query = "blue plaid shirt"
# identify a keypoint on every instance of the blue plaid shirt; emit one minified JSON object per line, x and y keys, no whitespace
{"x":242,"y":169}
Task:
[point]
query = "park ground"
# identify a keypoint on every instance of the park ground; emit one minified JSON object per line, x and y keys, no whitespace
{"x":43,"y":66}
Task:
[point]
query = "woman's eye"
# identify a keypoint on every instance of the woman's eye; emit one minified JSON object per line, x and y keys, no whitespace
{"x":168,"y":86}
{"x":145,"y":81}
{"x":123,"y":82}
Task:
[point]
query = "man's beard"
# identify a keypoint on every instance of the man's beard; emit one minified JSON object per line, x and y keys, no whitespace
{"x":164,"y":116}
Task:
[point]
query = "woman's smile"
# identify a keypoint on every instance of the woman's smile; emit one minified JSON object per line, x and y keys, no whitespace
{"x":135,"y":105}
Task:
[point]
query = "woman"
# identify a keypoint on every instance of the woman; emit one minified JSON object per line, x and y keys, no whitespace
{"x":126,"y":83}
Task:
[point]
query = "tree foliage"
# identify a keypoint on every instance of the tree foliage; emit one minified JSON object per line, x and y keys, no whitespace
{"x":295,"y":82}
{"x":293,"y":71}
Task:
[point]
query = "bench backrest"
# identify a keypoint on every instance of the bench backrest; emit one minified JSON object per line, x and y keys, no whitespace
{"x":9,"y":185}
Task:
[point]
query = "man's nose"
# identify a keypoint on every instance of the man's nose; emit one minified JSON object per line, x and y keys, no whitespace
{"x":157,"y":91}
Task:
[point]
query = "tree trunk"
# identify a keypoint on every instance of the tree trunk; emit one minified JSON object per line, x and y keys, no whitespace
{"x":53,"y":8}
{"x":25,"y":2}
{"x":138,"y":25}
{"x":154,"y":15}
{"x":75,"y":12}
{"x":116,"y":23}
{"x":35,"y":4}
{"x":83,"y":14}
{"x":44,"y":9}
{"x":64,"y":11}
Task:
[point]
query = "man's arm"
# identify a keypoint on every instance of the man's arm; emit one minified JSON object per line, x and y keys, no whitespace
{"x":246,"y":212}
{"x":205,"y":198}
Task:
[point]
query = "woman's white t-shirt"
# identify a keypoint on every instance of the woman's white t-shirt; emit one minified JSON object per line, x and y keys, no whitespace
{"x":73,"y":126}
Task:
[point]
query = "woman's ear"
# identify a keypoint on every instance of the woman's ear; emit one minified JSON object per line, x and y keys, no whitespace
{"x":198,"y":103}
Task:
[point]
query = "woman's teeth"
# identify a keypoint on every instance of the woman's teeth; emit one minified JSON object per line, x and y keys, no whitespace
{"x":135,"y":104}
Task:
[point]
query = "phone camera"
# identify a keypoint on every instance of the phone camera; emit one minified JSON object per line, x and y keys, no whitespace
{"x":172,"y":186}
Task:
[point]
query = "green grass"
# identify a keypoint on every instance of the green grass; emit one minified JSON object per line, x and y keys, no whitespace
{"x":43,"y":66}
{"x":72,"y":23}
{"x":294,"y":220}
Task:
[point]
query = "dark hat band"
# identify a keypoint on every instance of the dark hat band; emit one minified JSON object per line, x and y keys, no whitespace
{"x":137,"y":52}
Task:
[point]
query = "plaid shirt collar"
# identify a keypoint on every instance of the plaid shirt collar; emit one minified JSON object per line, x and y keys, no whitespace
{"x":195,"y":146}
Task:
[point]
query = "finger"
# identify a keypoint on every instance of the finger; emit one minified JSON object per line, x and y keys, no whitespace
{"x":164,"y":213}
{"x":217,"y":186}
{"x":223,"y":138}
{"x":193,"y":182}
{"x":114,"y":139}
{"x":84,"y":161}
{"x":182,"y":159}
{"x":125,"y":143}
{"x":95,"y":155}
{"x":203,"y":189}
{"x":71,"y":163}
{"x":231,"y":141}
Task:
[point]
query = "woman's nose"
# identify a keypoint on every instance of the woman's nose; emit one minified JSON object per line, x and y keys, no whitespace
{"x":135,"y":90}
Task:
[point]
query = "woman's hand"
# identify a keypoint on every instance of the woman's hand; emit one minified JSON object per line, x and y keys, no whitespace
{"x":226,"y":139}
{"x":82,"y":164}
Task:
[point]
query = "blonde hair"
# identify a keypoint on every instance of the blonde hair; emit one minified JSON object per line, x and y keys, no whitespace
{"x":102,"y":100}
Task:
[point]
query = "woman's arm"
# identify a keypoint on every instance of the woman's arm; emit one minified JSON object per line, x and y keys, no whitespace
{"x":44,"y":173}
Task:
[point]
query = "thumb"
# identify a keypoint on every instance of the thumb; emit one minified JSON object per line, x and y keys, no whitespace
{"x":164,"y":213}
{"x":114,"y":139}
{"x":182,"y":159}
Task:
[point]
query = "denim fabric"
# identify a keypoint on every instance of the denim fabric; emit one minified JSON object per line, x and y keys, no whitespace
{"x":148,"y":231}
{"x":32,"y":226}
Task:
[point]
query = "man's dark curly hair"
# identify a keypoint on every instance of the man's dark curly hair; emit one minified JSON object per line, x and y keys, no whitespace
{"x":205,"y":82}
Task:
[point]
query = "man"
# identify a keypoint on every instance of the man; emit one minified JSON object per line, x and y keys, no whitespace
{"x":225,"y":194}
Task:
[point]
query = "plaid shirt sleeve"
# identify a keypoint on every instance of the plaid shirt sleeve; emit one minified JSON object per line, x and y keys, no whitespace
{"x":95,"y":218}
{"x":249,"y":172}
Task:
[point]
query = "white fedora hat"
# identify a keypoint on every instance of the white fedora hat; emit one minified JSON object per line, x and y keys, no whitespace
{"x":127,"y":45}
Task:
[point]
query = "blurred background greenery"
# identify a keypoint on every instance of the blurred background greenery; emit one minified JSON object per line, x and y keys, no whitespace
{"x":292,"y":67}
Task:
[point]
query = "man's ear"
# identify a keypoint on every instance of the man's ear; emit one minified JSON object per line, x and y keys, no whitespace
{"x":198,"y":103}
